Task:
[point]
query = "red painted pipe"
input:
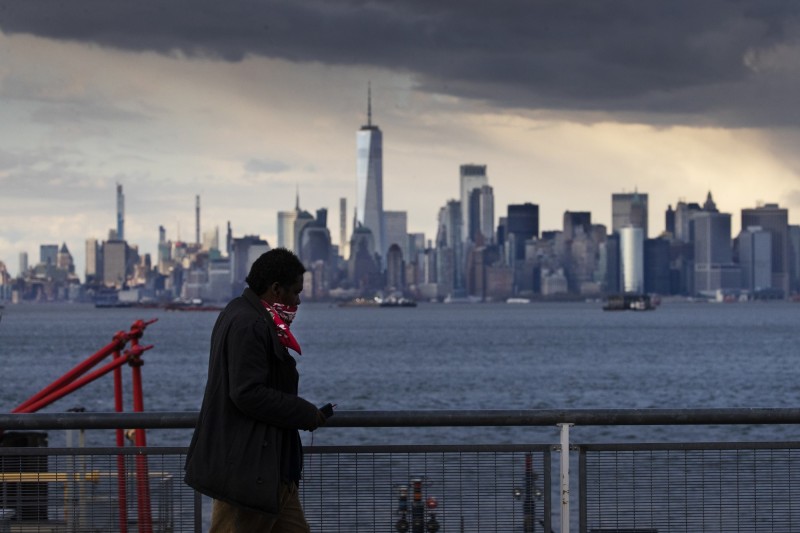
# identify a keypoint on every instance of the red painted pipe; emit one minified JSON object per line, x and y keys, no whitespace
{"x":63,"y":391}
{"x":142,"y":472}
{"x":122,"y":492}
{"x":120,"y":339}
{"x":72,"y":381}
{"x":118,"y":343}
{"x":77,"y":384}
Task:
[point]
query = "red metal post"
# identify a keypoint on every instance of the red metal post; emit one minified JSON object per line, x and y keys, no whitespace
{"x":142,"y":471}
{"x":122,"y":492}
{"x":72,"y":381}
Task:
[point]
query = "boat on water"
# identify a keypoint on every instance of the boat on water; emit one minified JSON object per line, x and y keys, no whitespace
{"x":379,"y":302}
{"x":629,"y":302}
{"x":397,"y":302}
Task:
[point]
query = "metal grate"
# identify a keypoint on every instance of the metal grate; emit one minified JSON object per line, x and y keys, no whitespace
{"x":689,"y":488}
{"x":95,"y":489}
{"x":393,"y":488}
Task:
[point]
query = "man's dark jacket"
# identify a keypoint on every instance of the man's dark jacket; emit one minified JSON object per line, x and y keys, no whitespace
{"x":246,"y":440}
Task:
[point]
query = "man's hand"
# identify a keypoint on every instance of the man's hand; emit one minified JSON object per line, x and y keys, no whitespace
{"x":318,"y":421}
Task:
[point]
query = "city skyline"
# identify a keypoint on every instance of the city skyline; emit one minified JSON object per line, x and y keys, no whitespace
{"x":171,"y":113}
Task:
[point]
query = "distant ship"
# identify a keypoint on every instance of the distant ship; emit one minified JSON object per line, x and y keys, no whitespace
{"x":397,"y":302}
{"x":629,"y":302}
{"x":379,"y":302}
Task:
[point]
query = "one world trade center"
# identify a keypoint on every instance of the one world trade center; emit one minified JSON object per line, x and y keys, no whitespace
{"x":369,"y":174}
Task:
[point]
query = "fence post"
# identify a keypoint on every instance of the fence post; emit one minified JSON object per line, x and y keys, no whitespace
{"x":564,"y":476}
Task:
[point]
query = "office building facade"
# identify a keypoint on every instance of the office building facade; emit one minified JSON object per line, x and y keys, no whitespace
{"x":396,"y":227}
{"x":775,"y":220}
{"x":576,"y":221}
{"x":755,"y":259}
{"x":522,"y":224}
{"x":714,"y":269}
{"x":471,"y":177}
{"x":629,"y":209}
{"x":481,"y":215}
{"x":286,"y":220}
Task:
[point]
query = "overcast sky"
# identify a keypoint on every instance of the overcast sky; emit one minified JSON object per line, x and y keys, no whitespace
{"x":246,"y":101}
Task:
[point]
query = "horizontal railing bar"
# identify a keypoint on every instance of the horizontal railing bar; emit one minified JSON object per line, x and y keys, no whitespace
{"x":690,"y":446}
{"x":100,"y":451}
{"x":539,"y":417}
{"x":427,"y":448}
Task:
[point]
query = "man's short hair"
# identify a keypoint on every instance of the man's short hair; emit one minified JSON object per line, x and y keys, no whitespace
{"x":278,"y":265}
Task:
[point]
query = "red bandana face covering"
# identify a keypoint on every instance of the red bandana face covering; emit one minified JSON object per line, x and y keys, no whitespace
{"x":283,"y":315}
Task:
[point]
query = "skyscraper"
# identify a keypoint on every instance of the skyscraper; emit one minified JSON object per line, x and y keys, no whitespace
{"x":794,"y":258}
{"x":64,"y":259}
{"x":631,"y":240}
{"x":48,"y":254}
{"x":343,"y":227}
{"x":369,"y":179}
{"x":92,"y":260}
{"x":522,"y":224}
{"x":396,"y":229}
{"x":197,"y":220}
{"x":629,"y":209}
{"x":669,"y":221}
{"x":244,"y":251}
{"x":286,"y":220}
{"x":656,"y":266}
{"x":713,"y":257}
{"x":470,"y":177}
{"x":115,"y":263}
{"x":683,"y":218}
{"x":449,"y":273}
{"x":574,"y":220}
{"x":120,"y":213}
{"x":776,"y":221}
{"x":755,"y":259}
{"x":23,"y":263}
{"x":481,"y":214}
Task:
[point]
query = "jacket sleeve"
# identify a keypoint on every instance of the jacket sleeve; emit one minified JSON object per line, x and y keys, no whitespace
{"x":249,"y":348}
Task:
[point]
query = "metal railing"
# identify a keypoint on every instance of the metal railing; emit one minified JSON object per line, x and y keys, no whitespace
{"x":631,"y":487}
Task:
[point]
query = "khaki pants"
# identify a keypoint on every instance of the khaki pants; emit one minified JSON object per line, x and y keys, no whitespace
{"x":228,"y":518}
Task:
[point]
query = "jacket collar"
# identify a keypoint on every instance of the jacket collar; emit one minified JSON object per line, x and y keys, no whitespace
{"x":252,"y":298}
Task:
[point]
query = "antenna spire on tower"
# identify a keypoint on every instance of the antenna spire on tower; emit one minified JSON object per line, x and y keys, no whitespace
{"x":369,"y":103}
{"x":297,"y":198}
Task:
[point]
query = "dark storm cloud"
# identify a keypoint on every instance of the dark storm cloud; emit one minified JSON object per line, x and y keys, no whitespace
{"x":661,"y":61}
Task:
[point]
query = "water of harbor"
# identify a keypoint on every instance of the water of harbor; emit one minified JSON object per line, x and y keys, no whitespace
{"x":439,"y":356}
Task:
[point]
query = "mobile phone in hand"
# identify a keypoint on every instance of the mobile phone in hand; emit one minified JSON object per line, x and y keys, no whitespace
{"x":327,"y":409}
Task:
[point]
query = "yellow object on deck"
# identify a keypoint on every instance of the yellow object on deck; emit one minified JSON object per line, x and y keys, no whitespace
{"x":47,"y":477}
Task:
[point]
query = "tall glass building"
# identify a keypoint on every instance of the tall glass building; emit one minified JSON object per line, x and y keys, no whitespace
{"x":471,"y":177}
{"x":369,"y":174}
{"x":631,"y":240}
